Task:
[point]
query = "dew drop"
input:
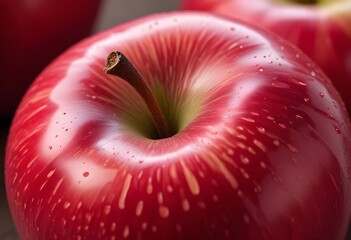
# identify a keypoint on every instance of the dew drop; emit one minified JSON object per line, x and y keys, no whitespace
{"x":330,"y":116}
{"x":246,"y":219}
{"x":244,"y":159}
{"x":163,"y":211}
{"x":260,"y":69}
{"x":293,"y":160}
{"x":349,"y":173}
{"x":261,"y":130}
{"x":292,"y":148}
{"x":107,"y":209}
{"x":306,"y":99}
{"x":66,"y":205}
{"x":85,"y":174}
{"x":337,"y":130}
{"x":263,"y":165}
{"x":321,"y":94}
{"x":313,"y":74}
{"x":88,"y":217}
{"x":257,"y":189}
{"x":300,"y":83}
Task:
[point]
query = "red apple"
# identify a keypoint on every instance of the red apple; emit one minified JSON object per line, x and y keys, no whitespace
{"x":34,"y":32}
{"x":322,"y":29}
{"x":255,"y":143}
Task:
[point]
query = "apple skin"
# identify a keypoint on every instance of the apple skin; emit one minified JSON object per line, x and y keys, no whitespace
{"x":261,"y":150}
{"x":322,"y":31}
{"x":34,"y":32}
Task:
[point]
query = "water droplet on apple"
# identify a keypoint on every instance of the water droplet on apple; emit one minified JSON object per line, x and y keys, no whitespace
{"x":299,"y":117}
{"x":258,"y":189}
{"x":85,"y":174}
{"x":260,"y":69}
{"x":107,"y":209}
{"x":306,"y":99}
{"x":349,"y":173}
{"x":244,"y":159}
{"x":246,"y":219}
{"x":261,"y":130}
{"x":263,"y":165}
{"x":330,"y":116}
{"x":337,"y":130}
{"x":298,"y":82}
{"x":293,"y":160}
{"x":321,"y":94}
{"x":313,"y":74}
{"x":276,"y":142}
{"x":66,"y":205}
{"x":292,"y":148}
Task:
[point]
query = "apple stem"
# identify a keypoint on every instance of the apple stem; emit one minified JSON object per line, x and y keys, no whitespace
{"x":118,"y":65}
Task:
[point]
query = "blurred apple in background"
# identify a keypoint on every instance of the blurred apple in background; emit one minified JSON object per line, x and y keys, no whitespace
{"x":321,"y":28}
{"x":257,"y":146}
{"x":33,"y":33}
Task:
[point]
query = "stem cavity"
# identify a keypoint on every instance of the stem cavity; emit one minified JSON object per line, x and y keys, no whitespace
{"x":118,"y":65}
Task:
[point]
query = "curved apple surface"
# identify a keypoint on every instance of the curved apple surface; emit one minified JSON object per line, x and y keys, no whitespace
{"x":322,"y":29}
{"x":260,"y":146}
{"x":34,"y":32}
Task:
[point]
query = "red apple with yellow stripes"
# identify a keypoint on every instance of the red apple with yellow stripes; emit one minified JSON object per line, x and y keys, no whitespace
{"x":198,"y":128}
